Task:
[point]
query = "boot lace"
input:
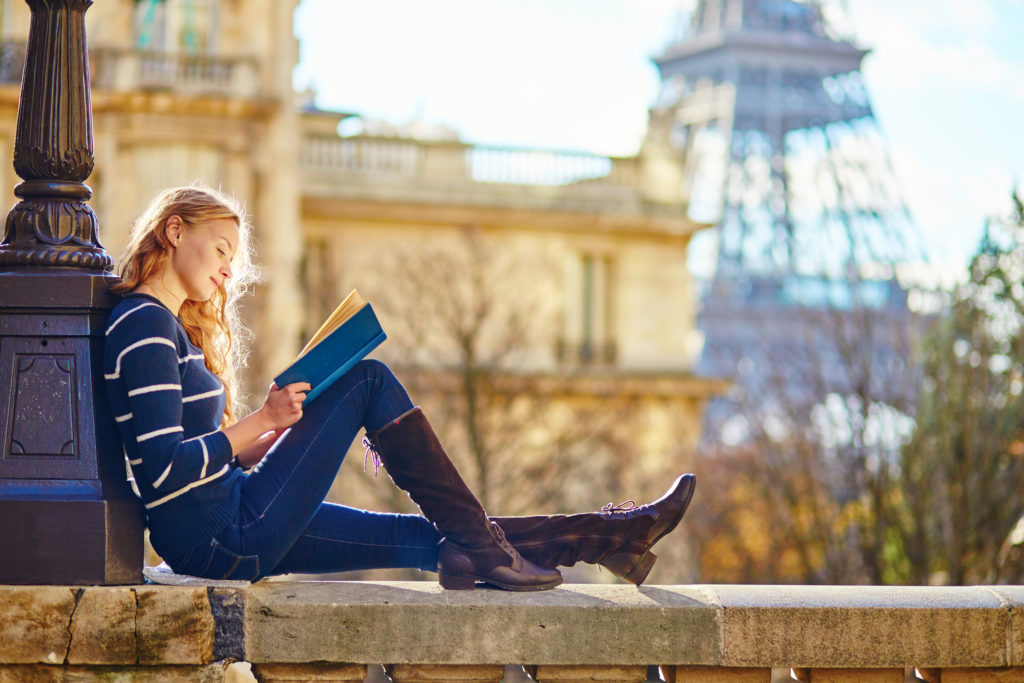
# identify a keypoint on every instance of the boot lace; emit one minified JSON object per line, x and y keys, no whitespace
{"x":372,"y":454}
{"x":624,"y":506}
{"x":499,"y":536}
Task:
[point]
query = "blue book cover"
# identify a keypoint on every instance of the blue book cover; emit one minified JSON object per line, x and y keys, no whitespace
{"x":335,"y":355}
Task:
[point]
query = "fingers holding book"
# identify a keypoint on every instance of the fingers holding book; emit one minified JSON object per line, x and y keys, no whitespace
{"x":283,"y":406}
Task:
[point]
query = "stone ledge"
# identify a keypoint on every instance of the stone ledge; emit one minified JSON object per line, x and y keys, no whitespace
{"x":281,"y":622}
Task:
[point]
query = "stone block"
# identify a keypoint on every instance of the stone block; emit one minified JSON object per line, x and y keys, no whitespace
{"x":857,"y":675}
{"x":445,"y":673}
{"x":611,"y":674}
{"x":715,"y":674}
{"x":572,"y":624}
{"x":861,"y":626}
{"x":40,"y":673}
{"x":103,"y":627}
{"x":34,"y":622}
{"x":319,"y":673}
{"x":1013,"y":600}
{"x":31,"y":673}
{"x":174,"y":625}
{"x":1007,"y":675}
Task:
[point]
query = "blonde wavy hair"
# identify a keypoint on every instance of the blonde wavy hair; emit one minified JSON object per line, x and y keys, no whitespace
{"x":213,"y":325}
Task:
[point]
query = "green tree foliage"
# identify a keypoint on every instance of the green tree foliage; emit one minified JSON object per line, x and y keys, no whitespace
{"x":962,"y":475}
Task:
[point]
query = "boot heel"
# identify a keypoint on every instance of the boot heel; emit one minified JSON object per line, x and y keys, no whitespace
{"x":631,"y":567}
{"x":457,"y":582}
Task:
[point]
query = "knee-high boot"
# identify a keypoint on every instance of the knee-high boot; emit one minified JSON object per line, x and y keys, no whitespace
{"x":618,"y":538}
{"x":473,"y":549}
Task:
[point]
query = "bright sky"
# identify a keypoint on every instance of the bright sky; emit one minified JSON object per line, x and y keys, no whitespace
{"x":946,"y":79}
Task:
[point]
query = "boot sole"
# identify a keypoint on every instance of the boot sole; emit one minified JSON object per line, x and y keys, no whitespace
{"x":462,"y":582}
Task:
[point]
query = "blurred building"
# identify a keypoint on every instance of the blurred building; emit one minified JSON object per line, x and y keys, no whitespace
{"x":199,"y":89}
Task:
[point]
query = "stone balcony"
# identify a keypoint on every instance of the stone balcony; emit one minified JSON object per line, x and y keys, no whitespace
{"x":454,"y":173}
{"x":332,"y":631}
{"x":132,"y":70}
{"x":125,"y":69}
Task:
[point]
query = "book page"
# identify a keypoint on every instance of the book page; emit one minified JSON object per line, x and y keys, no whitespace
{"x":345,"y":310}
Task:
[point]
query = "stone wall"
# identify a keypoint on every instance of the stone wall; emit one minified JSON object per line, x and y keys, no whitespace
{"x":331,"y":631}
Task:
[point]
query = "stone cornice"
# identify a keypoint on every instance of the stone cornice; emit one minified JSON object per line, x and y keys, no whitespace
{"x":281,"y":621}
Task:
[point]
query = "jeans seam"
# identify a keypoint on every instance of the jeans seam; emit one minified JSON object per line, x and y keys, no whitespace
{"x":305,"y":451}
{"x":374,"y":545}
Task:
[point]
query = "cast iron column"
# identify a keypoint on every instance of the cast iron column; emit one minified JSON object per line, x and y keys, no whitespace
{"x":66,"y":513}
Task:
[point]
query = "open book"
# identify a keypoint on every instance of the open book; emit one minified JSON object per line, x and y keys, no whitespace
{"x":351,"y":332}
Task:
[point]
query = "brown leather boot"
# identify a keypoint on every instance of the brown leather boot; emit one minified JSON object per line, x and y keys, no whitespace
{"x":473,"y":549}
{"x":618,"y":538}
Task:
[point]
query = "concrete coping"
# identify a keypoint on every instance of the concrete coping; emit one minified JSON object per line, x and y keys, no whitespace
{"x":420,"y":623}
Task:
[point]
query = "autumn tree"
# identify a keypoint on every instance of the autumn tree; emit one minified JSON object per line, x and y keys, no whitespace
{"x":801,"y":457}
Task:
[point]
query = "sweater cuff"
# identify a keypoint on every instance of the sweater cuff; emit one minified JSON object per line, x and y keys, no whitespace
{"x":219,"y":447}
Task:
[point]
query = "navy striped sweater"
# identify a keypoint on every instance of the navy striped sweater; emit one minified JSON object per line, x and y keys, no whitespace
{"x":168,"y":408}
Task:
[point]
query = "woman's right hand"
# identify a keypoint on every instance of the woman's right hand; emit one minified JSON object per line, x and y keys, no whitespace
{"x":283,"y":406}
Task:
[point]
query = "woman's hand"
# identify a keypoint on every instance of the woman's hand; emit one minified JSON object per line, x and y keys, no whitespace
{"x":282,"y":409}
{"x":283,"y":406}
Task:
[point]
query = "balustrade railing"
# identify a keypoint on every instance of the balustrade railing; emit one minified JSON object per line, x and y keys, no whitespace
{"x":363,"y":155}
{"x":535,"y":166}
{"x":125,"y":69}
{"x":459,"y":162}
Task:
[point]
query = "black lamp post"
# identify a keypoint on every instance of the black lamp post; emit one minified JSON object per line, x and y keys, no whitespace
{"x":66,"y":513}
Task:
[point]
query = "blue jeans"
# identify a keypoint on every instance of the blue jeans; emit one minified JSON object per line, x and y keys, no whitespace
{"x":283,"y":525}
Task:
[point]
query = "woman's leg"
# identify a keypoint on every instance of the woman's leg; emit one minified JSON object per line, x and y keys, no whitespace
{"x":341,"y":538}
{"x":281,"y":497}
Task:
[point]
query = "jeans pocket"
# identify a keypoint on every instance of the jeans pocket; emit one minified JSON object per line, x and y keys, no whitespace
{"x":224,"y":563}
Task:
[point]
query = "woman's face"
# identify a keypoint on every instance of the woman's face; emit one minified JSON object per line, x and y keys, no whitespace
{"x":201,"y":259}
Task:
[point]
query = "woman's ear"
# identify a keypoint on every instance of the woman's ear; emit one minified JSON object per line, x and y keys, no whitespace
{"x":172,"y":230}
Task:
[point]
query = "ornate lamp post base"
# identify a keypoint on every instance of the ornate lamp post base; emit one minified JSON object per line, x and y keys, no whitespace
{"x":66,"y":513}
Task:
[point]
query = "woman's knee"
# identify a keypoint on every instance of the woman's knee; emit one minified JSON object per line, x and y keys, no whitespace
{"x":372,"y":367}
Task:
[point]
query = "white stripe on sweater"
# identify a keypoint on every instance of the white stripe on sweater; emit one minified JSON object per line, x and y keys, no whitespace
{"x":142,"y":342}
{"x":123,"y":418}
{"x":130,"y":475}
{"x":206,"y":459}
{"x":186,"y":489}
{"x":154,"y":387}
{"x":129,"y":312}
{"x":194,"y":356}
{"x":202,"y":435}
{"x":197,"y":397}
{"x":157,"y":432}
{"x":163,"y":477}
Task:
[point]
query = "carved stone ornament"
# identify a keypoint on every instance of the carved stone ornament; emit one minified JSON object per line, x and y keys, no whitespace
{"x":53,"y":149}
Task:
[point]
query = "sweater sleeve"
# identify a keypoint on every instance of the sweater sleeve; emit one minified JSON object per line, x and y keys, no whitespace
{"x":146,"y":372}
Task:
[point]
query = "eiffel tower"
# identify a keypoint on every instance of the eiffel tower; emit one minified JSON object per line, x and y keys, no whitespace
{"x":783,"y":152}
